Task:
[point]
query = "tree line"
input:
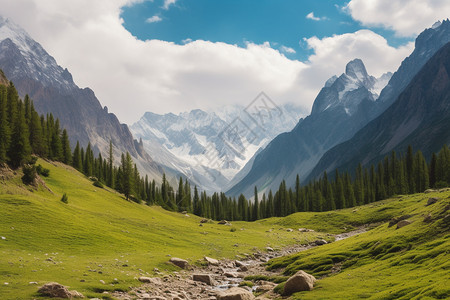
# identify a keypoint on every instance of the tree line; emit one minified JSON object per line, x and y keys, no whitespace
{"x":24,"y":133}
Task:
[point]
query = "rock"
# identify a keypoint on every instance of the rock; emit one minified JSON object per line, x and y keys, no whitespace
{"x":403,"y":223}
{"x":231,"y":274}
{"x":264,"y":288}
{"x":206,"y":278}
{"x":430,"y":191}
{"x":76,"y":294}
{"x":289,"y":230}
{"x":432,"y":201}
{"x":239,"y":263}
{"x":54,"y":290}
{"x":243,"y":268}
{"x":320,"y":242}
{"x":301,"y":281}
{"x":223,"y":222}
{"x":179,"y":262}
{"x":184,"y":212}
{"x":398,"y":219}
{"x":3,"y":238}
{"x":269,"y":249}
{"x":156,"y":280}
{"x":102,"y":281}
{"x":427,"y":218}
{"x":204,"y":221}
{"x":211,"y":261}
{"x":235,"y":293}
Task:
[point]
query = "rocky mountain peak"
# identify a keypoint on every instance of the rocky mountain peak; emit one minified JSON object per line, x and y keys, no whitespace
{"x":356,"y":70}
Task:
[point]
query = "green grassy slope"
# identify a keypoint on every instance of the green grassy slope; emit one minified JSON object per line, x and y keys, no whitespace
{"x":412,"y":262}
{"x":99,"y":231}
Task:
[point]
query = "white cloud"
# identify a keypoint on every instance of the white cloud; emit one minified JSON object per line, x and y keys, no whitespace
{"x":314,"y":18}
{"x":405,"y":17}
{"x":168,"y":3}
{"x":288,"y":50}
{"x":154,"y":19}
{"x":132,"y":76}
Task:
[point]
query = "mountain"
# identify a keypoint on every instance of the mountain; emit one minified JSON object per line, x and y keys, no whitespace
{"x":342,"y":107}
{"x":34,"y":72}
{"x":210,"y":147}
{"x":420,"y":118}
{"x":327,"y":127}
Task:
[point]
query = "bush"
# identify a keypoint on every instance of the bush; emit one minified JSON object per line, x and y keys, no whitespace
{"x":42,"y":171}
{"x":441,"y":184}
{"x":233,"y":229}
{"x":65,"y":199}
{"x":29,"y":174}
{"x":98,"y":184}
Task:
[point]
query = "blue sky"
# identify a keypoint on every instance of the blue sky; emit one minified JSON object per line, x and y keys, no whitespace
{"x":279,"y":22}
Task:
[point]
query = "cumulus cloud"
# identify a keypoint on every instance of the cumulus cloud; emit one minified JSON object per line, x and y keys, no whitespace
{"x":168,"y":3}
{"x":288,"y":50}
{"x":405,"y":17}
{"x":314,"y":18}
{"x":154,"y":19}
{"x":132,"y":76}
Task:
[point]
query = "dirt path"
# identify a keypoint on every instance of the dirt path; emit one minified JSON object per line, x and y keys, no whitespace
{"x":224,"y":275}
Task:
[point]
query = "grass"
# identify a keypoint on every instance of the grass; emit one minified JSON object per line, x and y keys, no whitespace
{"x":412,"y":262}
{"x":98,"y":235}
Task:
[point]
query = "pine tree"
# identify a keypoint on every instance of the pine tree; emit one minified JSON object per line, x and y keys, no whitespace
{"x":20,"y":149}
{"x":256,"y":212}
{"x":127,"y":183}
{"x":4,"y":125}
{"x":67,"y":152}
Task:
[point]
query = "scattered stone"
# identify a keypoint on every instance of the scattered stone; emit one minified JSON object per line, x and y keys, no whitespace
{"x":289,"y":230}
{"x":206,"y":278}
{"x":264,"y":288}
{"x":301,"y":281}
{"x":239,"y":263}
{"x":3,"y":238}
{"x":102,"y":281}
{"x":184,"y":264}
{"x":204,"y":221}
{"x":231,"y":275}
{"x":269,"y":249}
{"x":432,"y":201}
{"x":211,"y":261}
{"x":184,"y":212}
{"x":398,"y":219}
{"x":75,"y":294}
{"x":243,"y":268}
{"x":427,"y":218}
{"x":235,"y":293}
{"x":320,"y":242}
{"x":403,"y":223}
{"x":54,"y":290}
{"x":430,"y":191}
{"x":32,"y":282}
{"x":156,"y":281}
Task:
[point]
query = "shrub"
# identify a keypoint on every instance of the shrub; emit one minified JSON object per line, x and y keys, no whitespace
{"x":29,"y":174}
{"x":233,"y":229}
{"x":98,"y":184}
{"x":42,"y":171}
{"x":65,"y":199}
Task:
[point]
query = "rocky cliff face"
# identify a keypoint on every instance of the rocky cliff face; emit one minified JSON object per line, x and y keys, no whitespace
{"x":420,"y":117}
{"x":34,"y":72}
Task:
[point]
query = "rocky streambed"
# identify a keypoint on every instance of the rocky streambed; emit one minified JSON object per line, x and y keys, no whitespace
{"x":222,"y":279}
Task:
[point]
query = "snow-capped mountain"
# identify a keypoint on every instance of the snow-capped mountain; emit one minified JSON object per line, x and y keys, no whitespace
{"x":36,"y":73}
{"x":210,"y":148}
{"x":349,"y":89}
{"x":341,"y":108}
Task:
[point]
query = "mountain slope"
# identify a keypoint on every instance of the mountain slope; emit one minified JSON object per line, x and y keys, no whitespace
{"x":300,"y":150}
{"x":342,"y":107}
{"x":34,"y":72}
{"x":420,"y":117}
{"x":195,"y":145}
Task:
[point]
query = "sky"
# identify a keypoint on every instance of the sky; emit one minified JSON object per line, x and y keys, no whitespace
{"x":177,"y":55}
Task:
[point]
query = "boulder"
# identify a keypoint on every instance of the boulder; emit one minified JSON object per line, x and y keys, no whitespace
{"x":76,"y":294}
{"x":269,"y":249}
{"x":235,"y":293}
{"x":403,"y":223}
{"x":155,"y":280}
{"x":243,"y":268}
{"x":211,"y":261}
{"x":320,"y":242}
{"x":204,"y":221}
{"x":184,"y":264}
{"x":432,"y":201}
{"x":54,"y":290}
{"x":239,"y":263}
{"x":427,"y":218}
{"x":223,"y":222}
{"x":301,"y":281}
{"x":206,"y":278}
{"x":231,"y":274}
{"x":289,"y":230}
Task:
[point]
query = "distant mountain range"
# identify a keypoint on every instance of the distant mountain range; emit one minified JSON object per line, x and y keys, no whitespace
{"x":34,"y":72}
{"x":343,"y":107}
{"x":194,"y":144}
